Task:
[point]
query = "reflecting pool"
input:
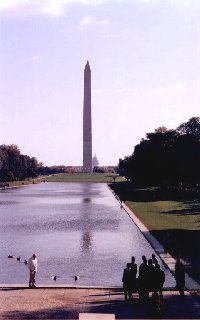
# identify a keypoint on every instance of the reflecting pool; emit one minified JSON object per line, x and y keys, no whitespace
{"x":74,"y":228}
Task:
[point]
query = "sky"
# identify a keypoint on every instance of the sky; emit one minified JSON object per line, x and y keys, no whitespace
{"x":145,"y":64}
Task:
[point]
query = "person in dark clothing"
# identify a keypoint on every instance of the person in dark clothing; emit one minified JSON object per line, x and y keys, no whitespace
{"x":151,"y":279}
{"x":180,"y":277}
{"x":155,"y":308}
{"x":126,"y":279}
{"x":133,"y":274}
{"x":156,"y":264}
{"x":142,"y":280}
{"x":133,"y":264}
{"x":159,"y":280}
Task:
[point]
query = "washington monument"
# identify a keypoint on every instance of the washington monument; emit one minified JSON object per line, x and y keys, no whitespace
{"x":87,"y":121}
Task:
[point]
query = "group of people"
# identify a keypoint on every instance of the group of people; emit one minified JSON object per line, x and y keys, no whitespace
{"x":150,"y":278}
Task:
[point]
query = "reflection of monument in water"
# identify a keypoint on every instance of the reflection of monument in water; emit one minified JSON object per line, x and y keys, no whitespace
{"x":86,"y":212}
{"x":86,"y":241}
{"x":87,"y":121}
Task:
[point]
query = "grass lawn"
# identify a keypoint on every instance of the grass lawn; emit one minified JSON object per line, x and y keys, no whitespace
{"x":83,"y":177}
{"x":172,"y":219}
{"x":164,"y":215}
{"x":70,"y":177}
{"x":21,"y":183}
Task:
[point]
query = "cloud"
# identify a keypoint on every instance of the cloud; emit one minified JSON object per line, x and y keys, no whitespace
{"x":126,"y":90}
{"x":34,"y":58}
{"x":91,"y":21}
{"x":185,"y":3}
{"x":148,"y":1}
{"x":86,"y":21}
{"x":57,"y":7}
{"x":164,"y":91}
{"x":33,"y":7}
{"x":173,"y":2}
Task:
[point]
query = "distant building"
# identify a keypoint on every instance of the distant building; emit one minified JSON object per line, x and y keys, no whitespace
{"x":95,"y":161}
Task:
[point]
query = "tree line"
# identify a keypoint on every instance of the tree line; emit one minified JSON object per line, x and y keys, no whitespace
{"x":16,"y":166}
{"x":165,"y":157}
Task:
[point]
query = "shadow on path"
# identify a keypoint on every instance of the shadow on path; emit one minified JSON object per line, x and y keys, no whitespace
{"x":111,"y":303}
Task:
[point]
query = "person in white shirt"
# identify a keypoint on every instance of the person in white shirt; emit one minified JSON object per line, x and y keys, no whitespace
{"x":32,"y":265}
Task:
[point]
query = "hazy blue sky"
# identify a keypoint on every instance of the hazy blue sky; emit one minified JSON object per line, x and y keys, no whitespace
{"x":145,"y":62}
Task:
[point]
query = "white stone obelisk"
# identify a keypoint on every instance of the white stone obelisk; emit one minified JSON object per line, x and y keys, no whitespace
{"x":87,"y":121}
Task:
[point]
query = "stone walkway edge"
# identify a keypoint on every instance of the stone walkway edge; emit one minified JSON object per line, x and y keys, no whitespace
{"x":63,"y":286}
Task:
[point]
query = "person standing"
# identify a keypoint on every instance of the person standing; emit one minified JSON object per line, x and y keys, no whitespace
{"x":32,"y":265}
{"x":155,"y":307}
{"x":180,"y":277}
{"x":159,"y":280}
{"x":151,"y":276}
{"x":142,"y":280}
{"x":127,"y":281}
{"x":133,"y":274}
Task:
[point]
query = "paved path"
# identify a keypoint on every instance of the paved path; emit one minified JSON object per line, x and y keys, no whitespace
{"x":65,"y":303}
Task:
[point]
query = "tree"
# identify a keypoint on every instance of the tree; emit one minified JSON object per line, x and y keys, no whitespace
{"x":152,"y":158}
{"x":16,"y":166}
{"x":166,"y":156}
{"x":192,"y":127}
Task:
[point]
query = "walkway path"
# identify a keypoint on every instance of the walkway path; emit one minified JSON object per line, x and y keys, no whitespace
{"x":66,"y":303}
